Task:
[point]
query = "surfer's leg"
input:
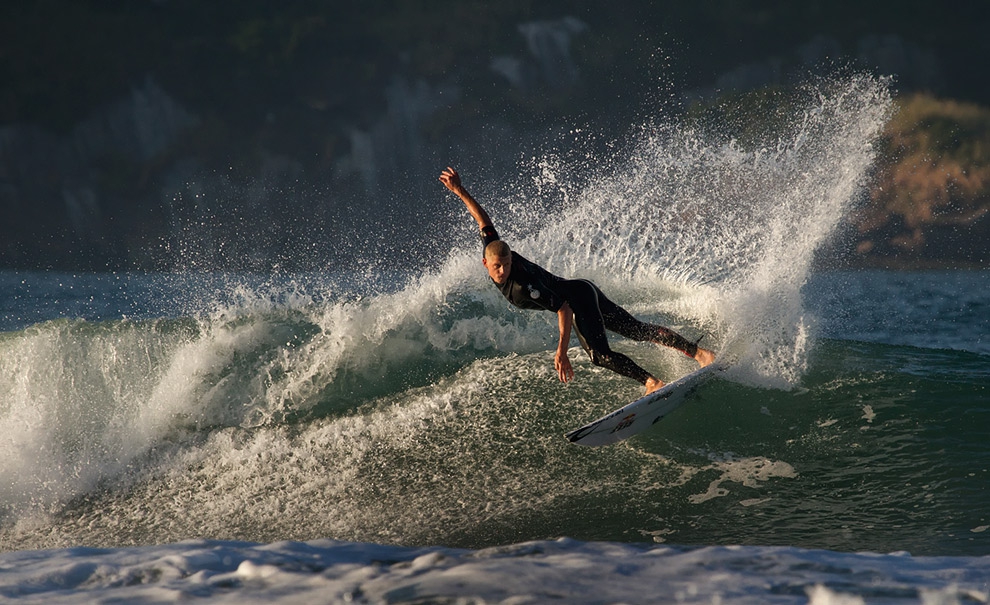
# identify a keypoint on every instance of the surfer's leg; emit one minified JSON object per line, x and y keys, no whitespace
{"x":604,"y":356}
{"x":622,"y":322}
{"x":590,"y":327}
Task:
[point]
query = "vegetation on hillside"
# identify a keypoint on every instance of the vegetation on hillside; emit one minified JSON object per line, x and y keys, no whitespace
{"x":931,"y":198}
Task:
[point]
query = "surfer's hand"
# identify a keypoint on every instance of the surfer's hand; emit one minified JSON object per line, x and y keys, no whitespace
{"x":451,"y":179}
{"x":562,"y":364}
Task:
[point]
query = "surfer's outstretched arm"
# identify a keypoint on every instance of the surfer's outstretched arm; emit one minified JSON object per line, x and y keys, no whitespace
{"x":452,"y":180}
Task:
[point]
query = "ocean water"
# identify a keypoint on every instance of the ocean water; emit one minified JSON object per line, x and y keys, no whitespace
{"x":382,"y":436}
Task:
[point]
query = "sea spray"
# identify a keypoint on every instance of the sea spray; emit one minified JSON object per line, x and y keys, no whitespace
{"x":739,"y":222}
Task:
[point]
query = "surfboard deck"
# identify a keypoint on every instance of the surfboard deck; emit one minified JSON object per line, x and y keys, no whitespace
{"x":643,"y":413}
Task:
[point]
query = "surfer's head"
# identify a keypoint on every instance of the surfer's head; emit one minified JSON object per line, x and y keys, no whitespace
{"x":498,"y":261}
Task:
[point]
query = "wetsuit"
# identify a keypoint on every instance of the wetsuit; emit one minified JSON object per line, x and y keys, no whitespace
{"x":530,"y":286}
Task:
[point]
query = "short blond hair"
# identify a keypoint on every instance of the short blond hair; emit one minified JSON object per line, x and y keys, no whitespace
{"x":497,"y":249}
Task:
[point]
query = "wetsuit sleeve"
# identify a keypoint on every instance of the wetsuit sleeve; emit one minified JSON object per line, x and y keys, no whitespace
{"x":488,"y":235}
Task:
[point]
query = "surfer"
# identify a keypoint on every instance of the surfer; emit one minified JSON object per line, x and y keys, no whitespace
{"x":578,"y":303}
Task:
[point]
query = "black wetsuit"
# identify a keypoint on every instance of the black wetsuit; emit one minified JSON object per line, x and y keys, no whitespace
{"x":530,"y":286}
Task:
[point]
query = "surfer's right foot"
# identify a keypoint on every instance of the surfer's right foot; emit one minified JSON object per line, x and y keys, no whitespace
{"x":653,"y":384}
{"x":704,"y":357}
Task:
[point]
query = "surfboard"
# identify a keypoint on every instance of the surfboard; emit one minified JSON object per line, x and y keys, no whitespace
{"x":643,"y":413}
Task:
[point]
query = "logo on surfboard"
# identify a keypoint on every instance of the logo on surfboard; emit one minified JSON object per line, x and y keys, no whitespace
{"x":624,"y":423}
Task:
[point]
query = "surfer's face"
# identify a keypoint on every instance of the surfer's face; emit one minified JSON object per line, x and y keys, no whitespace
{"x":498,"y":268}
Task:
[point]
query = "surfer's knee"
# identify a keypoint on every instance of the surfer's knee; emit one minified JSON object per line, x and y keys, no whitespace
{"x":620,"y":364}
{"x":600,"y":359}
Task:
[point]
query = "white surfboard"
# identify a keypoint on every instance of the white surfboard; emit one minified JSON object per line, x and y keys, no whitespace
{"x":644,"y":412}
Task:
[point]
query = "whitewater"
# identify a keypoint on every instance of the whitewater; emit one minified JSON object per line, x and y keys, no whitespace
{"x":387,"y":436}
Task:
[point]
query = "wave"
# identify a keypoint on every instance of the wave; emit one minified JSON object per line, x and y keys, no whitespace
{"x":422,"y":409}
{"x":476,"y":457}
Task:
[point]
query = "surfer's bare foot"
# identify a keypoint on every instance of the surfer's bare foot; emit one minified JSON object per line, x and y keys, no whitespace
{"x":653,"y":384}
{"x":704,"y":357}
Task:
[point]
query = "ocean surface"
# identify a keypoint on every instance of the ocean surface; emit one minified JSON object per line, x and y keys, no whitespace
{"x":396,"y":436}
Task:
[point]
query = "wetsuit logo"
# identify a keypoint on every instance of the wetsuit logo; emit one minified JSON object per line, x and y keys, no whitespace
{"x":533,"y":292}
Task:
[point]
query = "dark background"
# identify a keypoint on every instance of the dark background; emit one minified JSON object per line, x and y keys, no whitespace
{"x":180,"y":134}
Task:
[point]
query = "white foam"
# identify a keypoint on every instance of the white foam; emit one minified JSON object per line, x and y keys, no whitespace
{"x":748,"y":472}
{"x":532,"y":572}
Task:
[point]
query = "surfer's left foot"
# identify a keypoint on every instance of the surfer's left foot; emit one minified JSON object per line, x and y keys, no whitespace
{"x":653,"y":384}
{"x":704,"y":357}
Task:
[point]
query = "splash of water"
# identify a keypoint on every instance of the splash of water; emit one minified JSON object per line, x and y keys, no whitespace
{"x":737,"y":223}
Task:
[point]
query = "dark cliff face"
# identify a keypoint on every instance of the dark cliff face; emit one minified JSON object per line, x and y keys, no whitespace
{"x":170,"y":134}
